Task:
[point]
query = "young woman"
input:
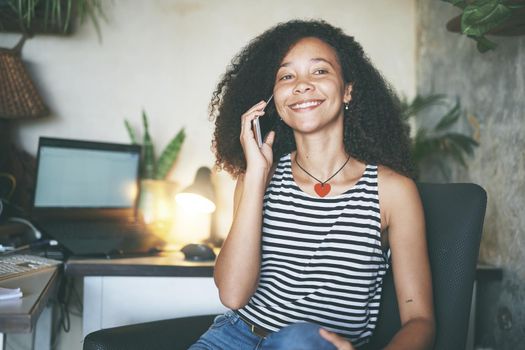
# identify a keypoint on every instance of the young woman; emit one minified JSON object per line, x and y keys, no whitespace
{"x":323,"y":207}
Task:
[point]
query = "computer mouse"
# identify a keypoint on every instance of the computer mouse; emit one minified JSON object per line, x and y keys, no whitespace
{"x":198,"y":252}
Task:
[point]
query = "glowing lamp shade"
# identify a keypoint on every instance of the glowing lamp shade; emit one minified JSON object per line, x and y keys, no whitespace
{"x":199,"y":196}
{"x":194,"y":207}
{"x":195,"y":202}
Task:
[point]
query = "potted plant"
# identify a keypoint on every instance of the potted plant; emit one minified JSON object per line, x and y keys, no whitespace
{"x":438,"y":143}
{"x":157,"y":192}
{"x":488,"y":17}
{"x":48,"y":16}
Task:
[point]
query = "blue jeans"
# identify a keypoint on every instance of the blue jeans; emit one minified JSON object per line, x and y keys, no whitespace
{"x":229,"y":332}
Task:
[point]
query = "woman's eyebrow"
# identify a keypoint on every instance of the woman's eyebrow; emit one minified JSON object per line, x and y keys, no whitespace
{"x":315,"y":60}
{"x":320,"y":59}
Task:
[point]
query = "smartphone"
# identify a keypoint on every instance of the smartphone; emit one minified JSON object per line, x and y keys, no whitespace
{"x":256,"y":127}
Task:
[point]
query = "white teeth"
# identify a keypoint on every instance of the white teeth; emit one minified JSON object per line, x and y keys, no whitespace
{"x":306,"y":104}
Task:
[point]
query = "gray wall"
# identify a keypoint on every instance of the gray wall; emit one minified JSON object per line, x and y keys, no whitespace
{"x":491,"y":87}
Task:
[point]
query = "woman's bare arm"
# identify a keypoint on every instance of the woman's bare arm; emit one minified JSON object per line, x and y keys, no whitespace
{"x":407,"y":239}
{"x":237,"y":268}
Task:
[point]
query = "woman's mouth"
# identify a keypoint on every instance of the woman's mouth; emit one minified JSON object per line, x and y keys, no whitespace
{"x":305,"y":105}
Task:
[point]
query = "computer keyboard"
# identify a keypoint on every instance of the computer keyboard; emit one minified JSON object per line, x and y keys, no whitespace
{"x":12,"y":265}
{"x":95,"y":229}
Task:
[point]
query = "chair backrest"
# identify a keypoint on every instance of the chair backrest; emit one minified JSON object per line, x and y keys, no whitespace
{"x":454,"y":216}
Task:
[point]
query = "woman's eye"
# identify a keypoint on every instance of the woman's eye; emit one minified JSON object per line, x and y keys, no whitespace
{"x":286,"y":77}
{"x":320,"y":71}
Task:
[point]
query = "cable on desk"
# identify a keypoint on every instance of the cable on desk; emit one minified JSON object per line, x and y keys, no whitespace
{"x":63,"y":298}
{"x":69,"y":303}
{"x":28,"y":223}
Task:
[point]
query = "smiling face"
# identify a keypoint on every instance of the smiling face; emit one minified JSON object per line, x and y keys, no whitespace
{"x":309,"y":89}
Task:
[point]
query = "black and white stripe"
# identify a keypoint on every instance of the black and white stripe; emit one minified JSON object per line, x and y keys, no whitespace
{"x":322,"y":260}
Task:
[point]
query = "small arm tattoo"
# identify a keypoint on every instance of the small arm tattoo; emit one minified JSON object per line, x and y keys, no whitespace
{"x":408,"y":301}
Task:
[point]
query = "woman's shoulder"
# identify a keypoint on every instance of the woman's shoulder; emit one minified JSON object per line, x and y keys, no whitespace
{"x":394,"y":184}
{"x":398,"y":195}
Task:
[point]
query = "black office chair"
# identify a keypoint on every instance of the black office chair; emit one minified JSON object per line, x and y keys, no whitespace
{"x":454,"y":216}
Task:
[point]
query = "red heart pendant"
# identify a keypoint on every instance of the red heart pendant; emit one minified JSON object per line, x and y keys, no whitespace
{"x":322,"y":189}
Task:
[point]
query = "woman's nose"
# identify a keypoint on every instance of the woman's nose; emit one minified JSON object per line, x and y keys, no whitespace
{"x":303,"y":86}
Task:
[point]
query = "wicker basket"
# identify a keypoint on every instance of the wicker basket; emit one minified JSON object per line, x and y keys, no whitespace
{"x":18,"y":95}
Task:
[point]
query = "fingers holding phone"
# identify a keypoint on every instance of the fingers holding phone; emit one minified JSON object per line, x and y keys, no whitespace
{"x":251,"y":118}
{"x":252,"y":136}
{"x":247,"y":122}
{"x":257,"y":133}
{"x":256,"y":129}
{"x":256,"y":126}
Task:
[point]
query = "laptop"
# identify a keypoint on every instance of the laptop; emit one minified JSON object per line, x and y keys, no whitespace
{"x":86,"y":196}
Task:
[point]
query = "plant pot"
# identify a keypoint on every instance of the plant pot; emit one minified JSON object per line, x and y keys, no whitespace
{"x":157,"y":203}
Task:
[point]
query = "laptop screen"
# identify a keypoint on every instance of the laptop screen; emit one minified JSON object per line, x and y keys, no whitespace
{"x":85,"y":174}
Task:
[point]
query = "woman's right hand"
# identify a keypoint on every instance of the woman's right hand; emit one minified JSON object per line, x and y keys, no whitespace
{"x":256,"y":158}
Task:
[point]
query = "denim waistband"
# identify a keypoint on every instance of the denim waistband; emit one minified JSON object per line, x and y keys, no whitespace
{"x":258,"y":331}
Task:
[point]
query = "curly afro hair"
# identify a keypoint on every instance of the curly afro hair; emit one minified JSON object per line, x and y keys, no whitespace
{"x":373,"y":129}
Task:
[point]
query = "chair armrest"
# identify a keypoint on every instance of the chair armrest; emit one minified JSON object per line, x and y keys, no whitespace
{"x":172,"y":334}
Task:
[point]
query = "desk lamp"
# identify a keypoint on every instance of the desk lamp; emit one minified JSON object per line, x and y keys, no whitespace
{"x":200,"y":195}
{"x":196,"y":200}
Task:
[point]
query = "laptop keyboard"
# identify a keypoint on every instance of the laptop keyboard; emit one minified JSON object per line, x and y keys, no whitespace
{"x":97,"y":229}
{"x":104,"y":237}
{"x":13,"y":265}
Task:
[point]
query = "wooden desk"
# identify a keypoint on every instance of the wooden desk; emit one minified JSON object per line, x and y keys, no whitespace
{"x":21,"y":315}
{"x":132,"y":290}
{"x":166,"y":265}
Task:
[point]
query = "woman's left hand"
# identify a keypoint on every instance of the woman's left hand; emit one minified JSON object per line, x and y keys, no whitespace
{"x":339,"y":342}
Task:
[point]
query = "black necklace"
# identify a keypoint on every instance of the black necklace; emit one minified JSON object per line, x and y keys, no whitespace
{"x":322,"y":188}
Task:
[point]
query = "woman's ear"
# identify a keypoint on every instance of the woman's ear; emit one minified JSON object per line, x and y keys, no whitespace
{"x":348,"y":93}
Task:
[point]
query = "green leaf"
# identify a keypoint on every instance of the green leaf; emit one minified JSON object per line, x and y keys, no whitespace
{"x":170,"y":154}
{"x":420,"y":103}
{"x":46,"y":14}
{"x":148,"y":160}
{"x":131,"y":132}
{"x":457,"y":153}
{"x":450,"y":118}
{"x":59,"y":19}
{"x":458,"y":3}
{"x":443,"y":168}
{"x":484,"y":44}
{"x":55,"y":5}
{"x":464,"y":142}
{"x":435,"y":145}
{"x":67,"y":21}
{"x":457,"y":145}
{"x":92,"y":9}
{"x":481,"y":16}
{"x":424,"y":146}
{"x":56,"y":14}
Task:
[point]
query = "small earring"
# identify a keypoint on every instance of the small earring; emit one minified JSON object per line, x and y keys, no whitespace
{"x":347,"y":106}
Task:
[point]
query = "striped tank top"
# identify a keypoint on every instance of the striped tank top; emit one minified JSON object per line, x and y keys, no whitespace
{"x":322,"y":260}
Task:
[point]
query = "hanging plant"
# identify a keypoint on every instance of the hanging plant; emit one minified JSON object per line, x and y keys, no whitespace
{"x":48,"y":16}
{"x":488,"y":17}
